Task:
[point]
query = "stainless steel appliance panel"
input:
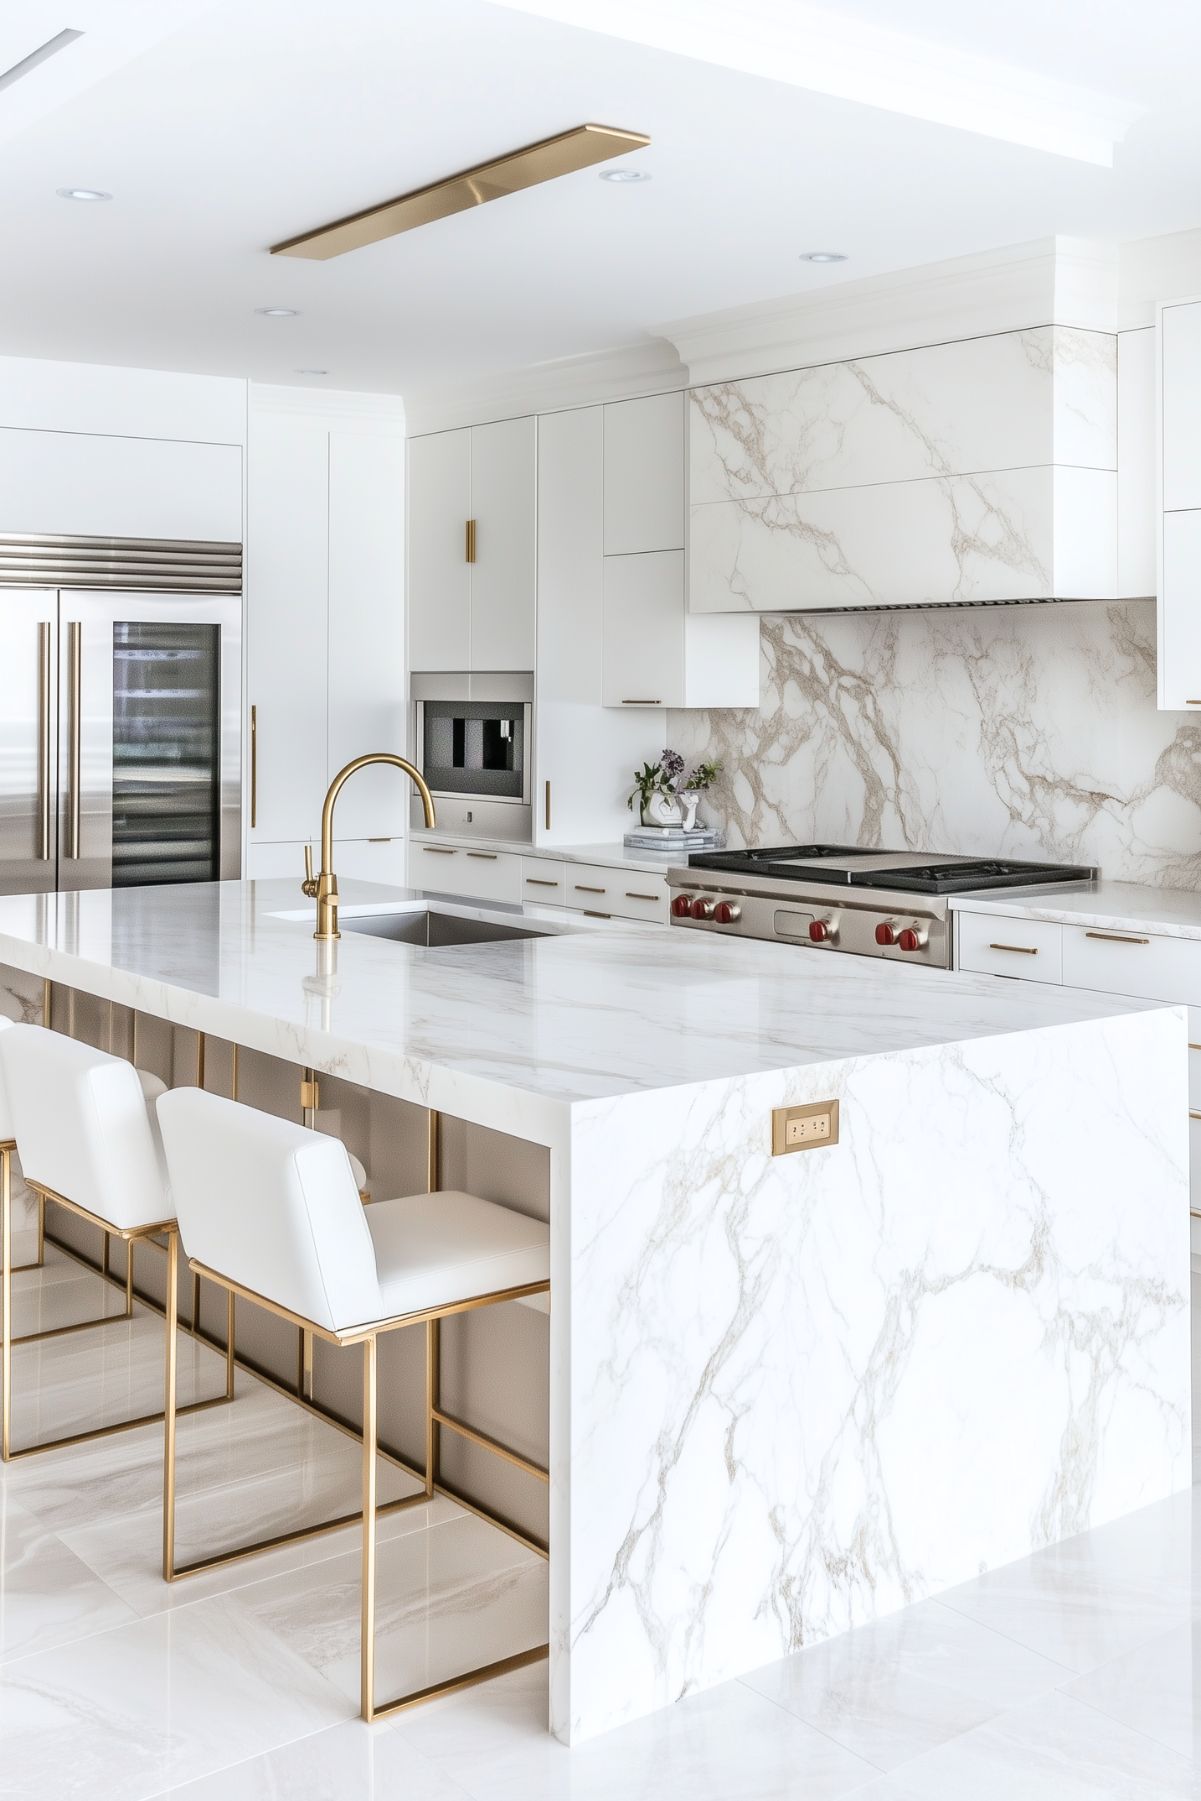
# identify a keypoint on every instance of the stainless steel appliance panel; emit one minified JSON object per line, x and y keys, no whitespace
{"x":149,"y":744}
{"x":474,"y":744}
{"x":28,"y":740}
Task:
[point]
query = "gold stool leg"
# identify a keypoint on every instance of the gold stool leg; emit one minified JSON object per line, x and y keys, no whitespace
{"x":367,"y":1620}
{"x":128,"y":1275}
{"x":230,"y":1300}
{"x":433,"y":1441}
{"x":41,"y":1262}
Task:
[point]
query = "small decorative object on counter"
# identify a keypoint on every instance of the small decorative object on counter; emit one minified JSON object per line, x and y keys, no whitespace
{"x":665,"y":798}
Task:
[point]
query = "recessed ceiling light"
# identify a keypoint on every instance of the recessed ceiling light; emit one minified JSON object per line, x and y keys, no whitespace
{"x":277,"y":312}
{"x":82,"y":194}
{"x":823,"y":256}
{"x":624,"y":175}
{"x":312,"y":371}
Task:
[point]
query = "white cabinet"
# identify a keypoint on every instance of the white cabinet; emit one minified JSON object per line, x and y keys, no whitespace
{"x":543,"y":881}
{"x":994,"y":946}
{"x":472,"y":525}
{"x":1180,"y":497}
{"x":616,"y":892}
{"x":466,"y":870}
{"x":644,"y":474}
{"x":325,"y":637}
{"x":657,"y":654}
{"x":100,"y":487}
{"x":439,"y":591}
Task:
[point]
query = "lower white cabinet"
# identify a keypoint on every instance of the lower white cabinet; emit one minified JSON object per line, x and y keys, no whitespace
{"x":474,"y":874}
{"x":543,"y":881}
{"x":605,"y":890}
{"x":368,"y":859}
{"x":617,"y":893}
{"x":1145,"y":965}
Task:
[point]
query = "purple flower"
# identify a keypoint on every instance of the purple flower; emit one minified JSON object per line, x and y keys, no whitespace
{"x":673,"y":767}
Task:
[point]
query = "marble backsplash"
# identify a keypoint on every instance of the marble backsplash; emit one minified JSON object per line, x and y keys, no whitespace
{"x":1027,"y":731}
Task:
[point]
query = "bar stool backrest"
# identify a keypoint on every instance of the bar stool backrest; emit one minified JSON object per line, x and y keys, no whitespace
{"x":6,"y":1124}
{"x":82,"y":1127}
{"x":271,"y":1206}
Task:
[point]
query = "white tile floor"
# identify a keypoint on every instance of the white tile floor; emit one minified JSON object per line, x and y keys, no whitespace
{"x":1073,"y":1675}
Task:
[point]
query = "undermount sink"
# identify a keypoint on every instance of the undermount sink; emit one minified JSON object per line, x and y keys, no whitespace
{"x":433,"y":928}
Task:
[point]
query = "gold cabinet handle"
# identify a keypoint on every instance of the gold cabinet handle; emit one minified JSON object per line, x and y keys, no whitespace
{"x":1116,"y":938}
{"x":539,"y":881}
{"x":1021,"y":950}
{"x":437,"y":850}
{"x":642,"y":703}
{"x":44,"y":735}
{"x":583,"y":888}
{"x":547,"y":809}
{"x":630,"y":895}
{"x":485,"y":856}
{"x":254,"y":767}
{"x":75,"y":663}
{"x":1193,"y":1113}
{"x":469,"y":542}
{"x":1193,"y":703}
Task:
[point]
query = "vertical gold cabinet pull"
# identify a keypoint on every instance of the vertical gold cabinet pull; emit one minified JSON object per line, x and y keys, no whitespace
{"x":548,"y":806}
{"x":44,"y":736}
{"x":75,"y":664}
{"x":254,"y":767}
{"x":469,"y":547}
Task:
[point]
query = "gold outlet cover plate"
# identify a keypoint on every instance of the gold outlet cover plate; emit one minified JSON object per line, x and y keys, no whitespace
{"x":803,"y":1128}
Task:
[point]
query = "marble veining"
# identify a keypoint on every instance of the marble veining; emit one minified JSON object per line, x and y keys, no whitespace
{"x":1028,"y":732}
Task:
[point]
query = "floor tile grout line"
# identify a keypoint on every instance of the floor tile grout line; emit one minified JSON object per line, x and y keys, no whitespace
{"x":1115,"y":1719}
{"x":876,"y":1769}
{"x":1006,"y":1638}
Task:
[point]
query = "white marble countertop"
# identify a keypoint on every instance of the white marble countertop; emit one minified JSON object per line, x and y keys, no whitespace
{"x":1173,"y":912}
{"x":615,"y":854}
{"x":510,"y":1032}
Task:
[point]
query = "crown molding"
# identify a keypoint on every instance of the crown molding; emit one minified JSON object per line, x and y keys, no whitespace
{"x":383,"y":410}
{"x":652,"y":367}
{"x":1056,"y":281}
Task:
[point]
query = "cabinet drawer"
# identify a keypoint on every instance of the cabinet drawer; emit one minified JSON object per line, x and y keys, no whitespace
{"x":1030,"y":949}
{"x":622,"y":893}
{"x":475,"y":874}
{"x":543,"y":881}
{"x":1135,"y":963}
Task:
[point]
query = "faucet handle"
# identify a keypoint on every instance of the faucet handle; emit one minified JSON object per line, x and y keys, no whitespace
{"x":309,"y":885}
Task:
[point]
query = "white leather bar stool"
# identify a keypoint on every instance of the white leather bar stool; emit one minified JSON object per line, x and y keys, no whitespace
{"x":86,"y":1129}
{"x":270,"y":1211}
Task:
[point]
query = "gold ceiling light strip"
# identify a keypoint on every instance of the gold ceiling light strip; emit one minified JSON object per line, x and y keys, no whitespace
{"x":525,"y":168}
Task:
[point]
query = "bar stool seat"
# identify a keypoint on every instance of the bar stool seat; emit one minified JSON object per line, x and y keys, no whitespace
{"x":271,"y":1211}
{"x":86,"y":1128}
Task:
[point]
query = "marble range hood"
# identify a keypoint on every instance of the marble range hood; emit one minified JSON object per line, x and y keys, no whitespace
{"x":981,"y":471}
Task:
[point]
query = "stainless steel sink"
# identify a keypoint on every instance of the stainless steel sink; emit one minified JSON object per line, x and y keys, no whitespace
{"x":431,"y":927}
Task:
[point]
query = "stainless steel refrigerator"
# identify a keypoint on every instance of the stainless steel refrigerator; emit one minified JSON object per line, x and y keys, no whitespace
{"x":120,"y":737}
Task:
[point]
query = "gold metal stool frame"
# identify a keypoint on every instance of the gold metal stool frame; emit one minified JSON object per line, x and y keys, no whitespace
{"x":131,"y":1236}
{"x":436,"y":1419}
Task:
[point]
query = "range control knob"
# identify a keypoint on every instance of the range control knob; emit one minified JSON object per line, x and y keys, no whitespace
{"x":727,"y":912}
{"x":820,"y":931}
{"x":681,"y":906}
{"x":886,"y":933}
{"x":702,"y":909}
{"x":910,"y":940}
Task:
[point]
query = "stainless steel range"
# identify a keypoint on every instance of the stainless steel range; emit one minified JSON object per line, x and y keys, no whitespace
{"x":874,"y":903}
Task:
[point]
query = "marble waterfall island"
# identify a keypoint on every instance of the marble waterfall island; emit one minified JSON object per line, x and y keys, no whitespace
{"x":787,"y":1392}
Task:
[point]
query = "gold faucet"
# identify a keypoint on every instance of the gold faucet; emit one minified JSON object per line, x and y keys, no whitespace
{"x":323,"y":887}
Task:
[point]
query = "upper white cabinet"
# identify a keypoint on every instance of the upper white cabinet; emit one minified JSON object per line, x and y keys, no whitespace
{"x":644,"y":475}
{"x":112,"y":487}
{"x":658,"y":654}
{"x":325,"y":620}
{"x":472,"y":548}
{"x":973,"y":471}
{"x":1179,"y":410}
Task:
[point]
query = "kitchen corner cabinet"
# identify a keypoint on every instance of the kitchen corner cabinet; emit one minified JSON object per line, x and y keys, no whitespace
{"x":472,"y":548}
{"x":1179,"y":442}
{"x":657,"y":654}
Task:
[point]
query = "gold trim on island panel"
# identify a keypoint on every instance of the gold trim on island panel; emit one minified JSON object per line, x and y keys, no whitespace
{"x":568,"y":151}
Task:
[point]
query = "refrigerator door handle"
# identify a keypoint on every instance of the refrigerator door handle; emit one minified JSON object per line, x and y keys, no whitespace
{"x":44,"y":797}
{"x":75,"y":747}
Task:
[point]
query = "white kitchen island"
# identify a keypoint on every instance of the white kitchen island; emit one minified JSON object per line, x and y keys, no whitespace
{"x":787,"y":1393}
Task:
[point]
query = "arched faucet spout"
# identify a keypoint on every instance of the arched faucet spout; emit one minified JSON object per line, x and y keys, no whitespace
{"x":324,"y":886}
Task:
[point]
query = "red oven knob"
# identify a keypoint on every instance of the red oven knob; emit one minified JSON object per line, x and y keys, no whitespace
{"x":702,"y":909}
{"x":681,"y":906}
{"x":909,"y":940}
{"x":727,"y":912}
{"x":819,"y":930}
{"x":886,"y":934}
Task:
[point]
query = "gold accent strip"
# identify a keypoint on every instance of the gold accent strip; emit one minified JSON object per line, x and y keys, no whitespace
{"x":254,"y":767}
{"x":486,"y":1443}
{"x":1020,"y":950}
{"x":545,"y":160}
{"x":310,"y":1097}
{"x":547,"y":805}
{"x":1116,"y":938}
{"x":75,"y":666}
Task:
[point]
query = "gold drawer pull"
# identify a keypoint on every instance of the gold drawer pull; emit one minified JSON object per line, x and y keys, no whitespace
{"x":646,"y":703}
{"x":437,"y":850}
{"x":590,"y":913}
{"x":1193,"y":1113}
{"x":485,"y":856}
{"x":540,"y":881}
{"x":630,"y":895}
{"x":1021,"y":950}
{"x":1193,"y":703}
{"x":583,"y":888}
{"x":1116,"y":938}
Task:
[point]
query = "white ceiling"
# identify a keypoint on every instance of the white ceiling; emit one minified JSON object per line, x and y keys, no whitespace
{"x":249,"y":122}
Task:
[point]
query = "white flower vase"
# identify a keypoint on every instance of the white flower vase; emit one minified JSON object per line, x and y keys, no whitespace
{"x":690,"y":800}
{"x":662,"y":810}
